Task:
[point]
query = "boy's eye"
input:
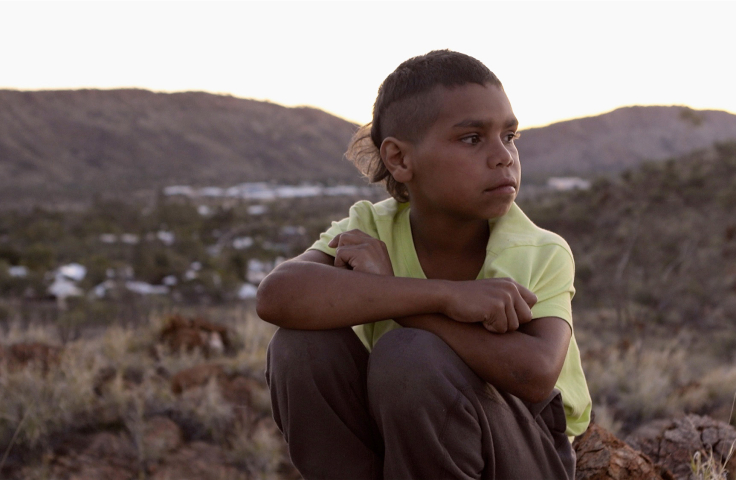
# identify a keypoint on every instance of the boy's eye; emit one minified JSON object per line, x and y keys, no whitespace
{"x":512,"y":136}
{"x":471,"y":139}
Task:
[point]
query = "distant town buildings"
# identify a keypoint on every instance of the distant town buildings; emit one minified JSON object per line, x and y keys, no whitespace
{"x":568,"y":183}
{"x":262,"y":191}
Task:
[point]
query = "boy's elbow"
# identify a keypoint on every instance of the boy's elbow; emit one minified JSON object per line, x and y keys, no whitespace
{"x":537,"y":385}
{"x":537,"y":393}
{"x":267,"y":304}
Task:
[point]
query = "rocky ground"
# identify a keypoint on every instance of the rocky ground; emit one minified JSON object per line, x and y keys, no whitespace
{"x":183,"y":401}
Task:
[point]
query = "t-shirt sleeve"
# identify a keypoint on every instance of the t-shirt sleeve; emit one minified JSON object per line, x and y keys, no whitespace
{"x":361,"y":217}
{"x":552,"y":282}
{"x":547,"y":270}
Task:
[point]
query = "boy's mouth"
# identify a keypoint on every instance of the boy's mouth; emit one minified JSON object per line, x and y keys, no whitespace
{"x":505,"y":186}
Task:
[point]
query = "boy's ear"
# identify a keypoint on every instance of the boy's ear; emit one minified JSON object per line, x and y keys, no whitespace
{"x":394,"y":156}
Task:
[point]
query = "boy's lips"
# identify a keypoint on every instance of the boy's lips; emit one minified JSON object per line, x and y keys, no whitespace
{"x":505,"y":186}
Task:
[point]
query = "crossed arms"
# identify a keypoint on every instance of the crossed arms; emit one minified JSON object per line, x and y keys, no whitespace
{"x":488,"y":323}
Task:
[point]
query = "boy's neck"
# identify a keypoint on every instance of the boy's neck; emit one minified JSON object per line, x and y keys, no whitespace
{"x":449,"y":248}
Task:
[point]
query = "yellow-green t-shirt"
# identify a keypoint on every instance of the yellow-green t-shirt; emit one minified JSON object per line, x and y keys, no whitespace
{"x":537,"y":259}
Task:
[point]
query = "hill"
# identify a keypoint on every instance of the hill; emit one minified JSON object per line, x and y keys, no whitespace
{"x":618,"y":140}
{"x":73,"y":144}
{"x":61,"y":147}
{"x":658,"y":242}
{"x":655,"y":258}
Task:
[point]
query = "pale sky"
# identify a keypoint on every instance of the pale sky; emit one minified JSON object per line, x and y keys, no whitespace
{"x":557,"y":60}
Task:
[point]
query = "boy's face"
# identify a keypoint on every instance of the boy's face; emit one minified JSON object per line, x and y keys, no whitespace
{"x":466,"y":165}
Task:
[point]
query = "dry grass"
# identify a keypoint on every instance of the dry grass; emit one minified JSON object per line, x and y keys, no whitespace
{"x":707,"y":467}
{"x":37,"y":408}
{"x":636,"y":376}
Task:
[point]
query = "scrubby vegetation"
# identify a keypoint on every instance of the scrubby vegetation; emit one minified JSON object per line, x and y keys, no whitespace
{"x":658,"y":244}
{"x":121,"y":383}
{"x":656,"y":279}
{"x":655,"y":258}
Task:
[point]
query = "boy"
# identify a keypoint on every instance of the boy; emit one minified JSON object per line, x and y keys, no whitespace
{"x":484,"y":380}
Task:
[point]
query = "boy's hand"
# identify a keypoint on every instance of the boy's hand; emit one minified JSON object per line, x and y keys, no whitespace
{"x":500,"y":304}
{"x":359,"y":251}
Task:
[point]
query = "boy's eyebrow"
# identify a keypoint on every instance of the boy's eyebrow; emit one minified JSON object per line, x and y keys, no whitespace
{"x":512,"y":122}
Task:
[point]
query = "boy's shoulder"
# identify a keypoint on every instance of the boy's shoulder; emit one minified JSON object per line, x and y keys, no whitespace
{"x":385,"y":210}
{"x":515,"y":229}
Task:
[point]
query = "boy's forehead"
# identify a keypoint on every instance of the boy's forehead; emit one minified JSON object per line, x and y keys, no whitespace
{"x":472,"y":103}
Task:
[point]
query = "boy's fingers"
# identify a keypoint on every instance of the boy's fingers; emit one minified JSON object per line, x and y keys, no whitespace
{"x":496,"y":324}
{"x":523,"y":311}
{"x":344,"y":256}
{"x":335,"y":241}
{"x":351,"y":237}
{"x":527,"y":295}
{"x":512,"y":320}
{"x":347,"y":255}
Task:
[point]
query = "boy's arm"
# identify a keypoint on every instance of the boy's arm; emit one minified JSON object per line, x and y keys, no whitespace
{"x":310,"y":293}
{"x":525,"y":363}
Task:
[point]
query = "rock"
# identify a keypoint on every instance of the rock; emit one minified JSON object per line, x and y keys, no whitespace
{"x":112,"y":456}
{"x":97,"y":471}
{"x":116,"y":447}
{"x":132,"y":377}
{"x":108,"y":455}
{"x":36,"y":354}
{"x":197,"y":376}
{"x":183,"y":334}
{"x":220,"y":330}
{"x":195,"y":461}
{"x":602,"y":456}
{"x":239,"y":390}
{"x":160,"y":436}
{"x":672,"y":443}
{"x":235,"y":389}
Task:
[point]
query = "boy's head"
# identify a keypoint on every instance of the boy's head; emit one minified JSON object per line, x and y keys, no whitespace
{"x":407,"y":105}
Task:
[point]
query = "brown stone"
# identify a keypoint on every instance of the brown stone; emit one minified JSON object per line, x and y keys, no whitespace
{"x":36,"y":354}
{"x":196,"y":376}
{"x":195,"y":461}
{"x":117,"y":447}
{"x":107,"y":455}
{"x":112,"y":456}
{"x":239,"y":390}
{"x":602,"y":456}
{"x":160,"y":435}
{"x":132,"y":377}
{"x":673,"y":443}
{"x":183,"y":334}
{"x":97,"y":471}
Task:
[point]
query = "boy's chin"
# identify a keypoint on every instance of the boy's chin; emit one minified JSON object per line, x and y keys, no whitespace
{"x":500,"y":210}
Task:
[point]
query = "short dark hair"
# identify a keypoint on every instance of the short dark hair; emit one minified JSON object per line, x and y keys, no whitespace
{"x":407,"y":105}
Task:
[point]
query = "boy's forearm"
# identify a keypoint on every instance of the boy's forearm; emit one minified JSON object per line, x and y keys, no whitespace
{"x":525,"y":363}
{"x":312,"y":296}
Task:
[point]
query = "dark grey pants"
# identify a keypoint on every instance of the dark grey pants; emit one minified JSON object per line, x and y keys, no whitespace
{"x":412,"y":409}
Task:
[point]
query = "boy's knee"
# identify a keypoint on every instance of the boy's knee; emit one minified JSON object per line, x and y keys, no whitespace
{"x":284,"y":347}
{"x":305,"y":354}
{"x":407,"y":363}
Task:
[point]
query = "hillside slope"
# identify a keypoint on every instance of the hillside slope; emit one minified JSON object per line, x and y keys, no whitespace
{"x":78,"y":143}
{"x":618,"y":140}
{"x":660,"y":240}
{"x":62,"y":146}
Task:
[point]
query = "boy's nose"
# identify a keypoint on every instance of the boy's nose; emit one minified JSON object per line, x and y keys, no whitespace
{"x":500,"y":156}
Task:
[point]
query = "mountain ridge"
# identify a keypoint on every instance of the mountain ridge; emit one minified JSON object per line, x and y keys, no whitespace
{"x":620,"y":139}
{"x":71,"y":145}
{"x":120,"y":141}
